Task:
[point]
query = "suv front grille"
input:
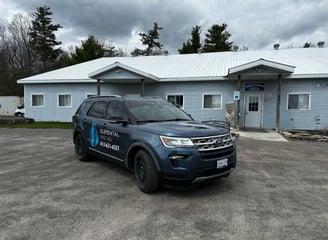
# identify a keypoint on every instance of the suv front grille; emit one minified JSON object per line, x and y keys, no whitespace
{"x":213,"y":142}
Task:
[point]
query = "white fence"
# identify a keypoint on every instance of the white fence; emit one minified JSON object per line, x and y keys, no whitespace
{"x":8,"y":104}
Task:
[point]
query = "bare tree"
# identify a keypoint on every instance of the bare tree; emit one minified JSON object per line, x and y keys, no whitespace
{"x":16,"y":57}
{"x":20,"y":41}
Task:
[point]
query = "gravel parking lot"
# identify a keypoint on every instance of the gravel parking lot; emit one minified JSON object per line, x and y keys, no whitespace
{"x":278,"y":191}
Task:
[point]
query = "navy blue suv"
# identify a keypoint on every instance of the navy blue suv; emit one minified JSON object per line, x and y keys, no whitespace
{"x":155,"y":139}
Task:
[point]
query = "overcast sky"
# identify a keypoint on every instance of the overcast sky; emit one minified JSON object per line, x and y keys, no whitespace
{"x":256,"y":24}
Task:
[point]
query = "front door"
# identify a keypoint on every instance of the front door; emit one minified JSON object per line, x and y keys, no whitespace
{"x":253,"y":111}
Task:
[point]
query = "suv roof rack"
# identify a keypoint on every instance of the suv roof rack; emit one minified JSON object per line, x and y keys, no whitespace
{"x":102,"y":96}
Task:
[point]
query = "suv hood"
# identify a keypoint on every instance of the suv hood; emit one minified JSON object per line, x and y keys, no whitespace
{"x":182,"y":129}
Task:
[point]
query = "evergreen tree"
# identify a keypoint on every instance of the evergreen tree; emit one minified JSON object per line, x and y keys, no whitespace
{"x":217,"y":39}
{"x":192,"y":45}
{"x":91,"y":49}
{"x":43,"y":38}
{"x":154,"y":47}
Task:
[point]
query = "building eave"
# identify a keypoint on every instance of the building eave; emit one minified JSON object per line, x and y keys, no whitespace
{"x":261,"y":62}
{"x":99,"y":74}
{"x":38,"y":81}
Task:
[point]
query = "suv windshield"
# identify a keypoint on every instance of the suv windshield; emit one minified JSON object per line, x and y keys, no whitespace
{"x":157,"y":111}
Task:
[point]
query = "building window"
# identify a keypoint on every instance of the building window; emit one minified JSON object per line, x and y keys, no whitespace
{"x":175,"y":99}
{"x":298,"y":101}
{"x":212,"y":101}
{"x":37,"y":100}
{"x":64,"y":100}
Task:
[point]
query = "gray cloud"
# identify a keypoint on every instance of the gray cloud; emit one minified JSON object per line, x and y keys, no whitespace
{"x":253,"y":23}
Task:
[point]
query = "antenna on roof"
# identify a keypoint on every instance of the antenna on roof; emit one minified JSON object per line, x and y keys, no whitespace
{"x":321,"y":44}
{"x":276,"y":46}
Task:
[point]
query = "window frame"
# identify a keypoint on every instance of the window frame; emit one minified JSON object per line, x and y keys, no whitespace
{"x":64,"y":94}
{"x":38,"y":94}
{"x":212,"y":93}
{"x":299,"y":109}
{"x":175,"y":95}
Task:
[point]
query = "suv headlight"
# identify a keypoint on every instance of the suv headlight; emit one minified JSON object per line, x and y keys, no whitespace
{"x":173,"y":142}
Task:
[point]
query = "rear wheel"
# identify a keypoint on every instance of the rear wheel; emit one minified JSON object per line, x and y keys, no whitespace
{"x":145,"y":172}
{"x":81,"y":150}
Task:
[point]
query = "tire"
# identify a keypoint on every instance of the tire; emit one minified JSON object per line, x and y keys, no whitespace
{"x":145,"y":172}
{"x":81,"y":149}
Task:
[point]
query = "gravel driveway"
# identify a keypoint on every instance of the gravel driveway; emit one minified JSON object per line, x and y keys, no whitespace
{"x":278,"y":191}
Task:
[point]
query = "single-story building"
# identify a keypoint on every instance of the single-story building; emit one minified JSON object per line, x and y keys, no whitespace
{"x":271,"y":89}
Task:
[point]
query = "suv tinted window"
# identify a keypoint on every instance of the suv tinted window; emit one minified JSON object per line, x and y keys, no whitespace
{"x":98,"y":110}
{"x":115,"y":111}
{"x":158,"y":111}
{"x":83,"y":106}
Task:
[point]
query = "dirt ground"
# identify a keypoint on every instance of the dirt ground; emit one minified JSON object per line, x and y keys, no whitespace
{"x":278,"y":191}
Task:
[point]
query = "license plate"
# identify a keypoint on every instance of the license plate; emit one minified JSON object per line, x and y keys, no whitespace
{"x":222,"y":163}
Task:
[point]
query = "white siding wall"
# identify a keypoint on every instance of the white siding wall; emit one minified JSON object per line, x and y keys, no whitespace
{"x":51,"y":111}
{"x":305,"y":119}
{"x":193,"y":98}
{"x":192,"y":92}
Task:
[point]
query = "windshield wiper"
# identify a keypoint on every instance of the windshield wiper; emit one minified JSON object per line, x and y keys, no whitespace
{"x":178,"y":119}
{"x":149,"y":121}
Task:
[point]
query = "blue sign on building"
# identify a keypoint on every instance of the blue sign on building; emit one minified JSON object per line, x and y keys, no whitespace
{"x":254,"y":87}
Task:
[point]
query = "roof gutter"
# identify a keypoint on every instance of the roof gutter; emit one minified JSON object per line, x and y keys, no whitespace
{"x":36,"y":81}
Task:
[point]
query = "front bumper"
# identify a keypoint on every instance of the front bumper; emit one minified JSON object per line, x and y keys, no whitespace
{"x":199,"y":175}
{"x":206,"y":178}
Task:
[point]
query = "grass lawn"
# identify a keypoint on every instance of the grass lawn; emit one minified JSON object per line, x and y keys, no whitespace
{"x":65,"y":125}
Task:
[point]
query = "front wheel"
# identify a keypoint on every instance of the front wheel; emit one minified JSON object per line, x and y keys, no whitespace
{"x":145,"y":172}
{"x":81,"y":150}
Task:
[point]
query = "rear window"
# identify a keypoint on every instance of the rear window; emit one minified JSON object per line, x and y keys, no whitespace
{"x":98,"y":109}
{"x":82,"y":107}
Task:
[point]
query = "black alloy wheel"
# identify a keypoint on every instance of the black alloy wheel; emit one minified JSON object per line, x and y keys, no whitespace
{"x":145,"y":172}
{"x":81,"y":151}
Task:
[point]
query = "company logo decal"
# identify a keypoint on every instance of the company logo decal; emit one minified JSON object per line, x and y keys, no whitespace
{"x":94,"y":139}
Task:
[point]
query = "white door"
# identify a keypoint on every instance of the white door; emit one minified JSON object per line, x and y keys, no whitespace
{"x":253,"y":113}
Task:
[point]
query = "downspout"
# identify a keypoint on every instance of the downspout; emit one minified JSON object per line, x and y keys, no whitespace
{"x":142,"y":87}
{"x":98,"y":87}
{"x":238,"y":104}
{"x":278,"y":104}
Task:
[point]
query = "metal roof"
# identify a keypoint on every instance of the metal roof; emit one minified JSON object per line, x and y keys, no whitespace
{"x":308,"y":62}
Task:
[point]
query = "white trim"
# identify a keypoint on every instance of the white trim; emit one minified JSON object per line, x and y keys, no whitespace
{"x":261,"y":62}
{"x":298,"y":93}
{"x":308,"y":76}
{"x":212,"y":93}
{"x":177,"y":94}
{"x":38,"y":94}
{"x":36,"y":81}
{"x":97,"y":73}
{"x":173,"y":79}
{"x":64,"y":94}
